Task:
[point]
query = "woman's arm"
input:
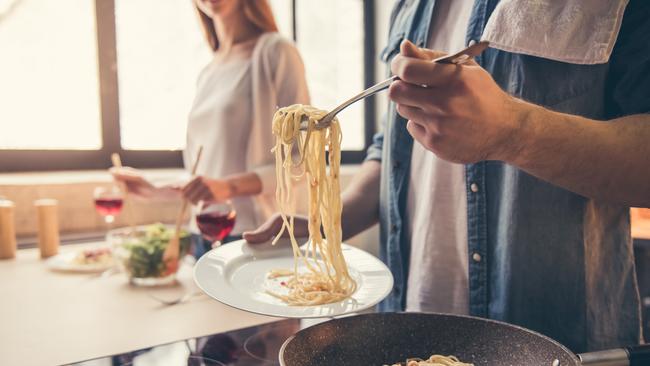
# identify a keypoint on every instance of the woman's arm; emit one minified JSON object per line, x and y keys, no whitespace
{"x":138,"y":185}
{"x":206,"y":189}
{"x":289,"y":79}
{"x":290,"y":87}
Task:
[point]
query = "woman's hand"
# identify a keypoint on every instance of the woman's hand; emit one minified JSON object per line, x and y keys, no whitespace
{"x":272,"y":227}
{"x":134,"y":181}
{"x":206,"y":189}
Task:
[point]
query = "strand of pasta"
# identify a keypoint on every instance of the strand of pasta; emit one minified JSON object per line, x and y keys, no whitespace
{"x":327,"y":278}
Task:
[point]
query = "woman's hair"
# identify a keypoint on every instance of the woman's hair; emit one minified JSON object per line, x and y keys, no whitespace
{"x":258,"y":12}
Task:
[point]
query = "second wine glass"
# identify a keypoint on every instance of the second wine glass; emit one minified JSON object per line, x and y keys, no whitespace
{"x":108,"y":202}
{"x":215,"y":221}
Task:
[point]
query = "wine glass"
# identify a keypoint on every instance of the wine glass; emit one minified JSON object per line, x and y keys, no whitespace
{"x":108,"y":202}
{"x":215,"y":221}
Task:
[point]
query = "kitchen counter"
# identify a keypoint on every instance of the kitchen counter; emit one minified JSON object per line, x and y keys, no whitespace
{"x":51,"y":318}
{"x":640,"y":223}
{"x":641,"y":229}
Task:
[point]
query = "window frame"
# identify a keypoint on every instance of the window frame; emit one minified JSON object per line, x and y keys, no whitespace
{"x":17,"y":160}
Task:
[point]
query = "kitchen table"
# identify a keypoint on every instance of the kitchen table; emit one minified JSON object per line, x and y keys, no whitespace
{"x":52,"y":318}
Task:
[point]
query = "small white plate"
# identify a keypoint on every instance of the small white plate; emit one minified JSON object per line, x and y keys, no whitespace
{"x":64,"y":262}
{"x":236,"y":275}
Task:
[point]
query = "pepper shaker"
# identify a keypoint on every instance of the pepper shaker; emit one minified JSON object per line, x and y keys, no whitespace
{"x":7,"y":230}
{"x":48,"y":226}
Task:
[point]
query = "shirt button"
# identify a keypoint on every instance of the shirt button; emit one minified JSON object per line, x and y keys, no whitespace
{"x":476,"y":257}
{"x":473,"y":187}
{"x":393,"y":228}
{"x":396,"y":164}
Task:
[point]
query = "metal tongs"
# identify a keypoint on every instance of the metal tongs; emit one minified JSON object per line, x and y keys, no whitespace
{"x":457,"y":58}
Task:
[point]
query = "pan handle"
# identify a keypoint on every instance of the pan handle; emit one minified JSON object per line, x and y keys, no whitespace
{"x":639,"y":355}
{"x":628,"y":356}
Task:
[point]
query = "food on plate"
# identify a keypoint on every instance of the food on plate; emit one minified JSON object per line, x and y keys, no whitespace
{"x":140,"y":251}
{"x":325,"y":278}
{"x":435,"y":360}
{"x":92,"y":257}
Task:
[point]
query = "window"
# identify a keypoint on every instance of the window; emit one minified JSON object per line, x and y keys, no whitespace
{"x":119,"y":76}
{"x":334,"y":62}
{"x":283,"y":12}
{"x":160,"y":51}
{"x":336,"y":41}
{"x":49,"y":75}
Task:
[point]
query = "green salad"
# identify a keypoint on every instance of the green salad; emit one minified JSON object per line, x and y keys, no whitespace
{"x":141,"y":252}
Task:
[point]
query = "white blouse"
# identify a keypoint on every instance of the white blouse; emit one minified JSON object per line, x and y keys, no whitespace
{"x":232,"y":114}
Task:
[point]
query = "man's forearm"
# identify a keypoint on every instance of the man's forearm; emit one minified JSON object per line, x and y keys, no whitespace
{"x":361,"y":200}
{"x":602,"y":160}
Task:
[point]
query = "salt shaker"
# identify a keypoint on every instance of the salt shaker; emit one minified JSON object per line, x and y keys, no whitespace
{"x":48,"y":226}
{"x":7,"y":230}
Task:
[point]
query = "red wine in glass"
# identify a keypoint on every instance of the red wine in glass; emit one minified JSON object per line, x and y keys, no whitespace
{"x":109,"y":206}
{"x":216,"y":221}
{"x":108,"y":202}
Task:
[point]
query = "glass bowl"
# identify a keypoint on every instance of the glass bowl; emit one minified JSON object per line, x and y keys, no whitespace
{"x":139,"y":251}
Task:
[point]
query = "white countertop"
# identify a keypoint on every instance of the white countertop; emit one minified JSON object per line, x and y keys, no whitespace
{"x":50,"y":318}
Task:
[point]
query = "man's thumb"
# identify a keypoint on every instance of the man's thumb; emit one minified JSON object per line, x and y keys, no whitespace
{"x":408,"y":49}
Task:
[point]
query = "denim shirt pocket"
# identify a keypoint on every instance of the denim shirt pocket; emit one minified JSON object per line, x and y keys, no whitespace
{"x":561,"y":86}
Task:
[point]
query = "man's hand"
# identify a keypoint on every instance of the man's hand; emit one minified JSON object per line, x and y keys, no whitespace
{"x":463,"y":116}
{"x":456,"y":111}
{"x":272,"y":227}
{"x":205,"y":189}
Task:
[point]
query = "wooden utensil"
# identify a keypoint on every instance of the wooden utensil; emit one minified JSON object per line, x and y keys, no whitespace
{"x":172,"y":252}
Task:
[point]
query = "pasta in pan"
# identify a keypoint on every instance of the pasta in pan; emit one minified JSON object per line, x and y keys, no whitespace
{"x":326,"y":278}
{"x":435,"y":360}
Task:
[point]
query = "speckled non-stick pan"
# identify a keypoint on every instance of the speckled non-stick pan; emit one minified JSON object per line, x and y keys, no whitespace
{"x":387,"y":338}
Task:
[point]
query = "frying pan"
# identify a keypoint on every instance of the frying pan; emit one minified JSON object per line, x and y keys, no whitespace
{"x":387,"y":338}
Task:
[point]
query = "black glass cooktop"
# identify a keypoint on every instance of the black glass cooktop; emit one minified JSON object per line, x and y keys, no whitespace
{"x":254,"y":346}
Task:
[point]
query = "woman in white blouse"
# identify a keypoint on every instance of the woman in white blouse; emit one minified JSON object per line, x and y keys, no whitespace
{"x":253,"y":72}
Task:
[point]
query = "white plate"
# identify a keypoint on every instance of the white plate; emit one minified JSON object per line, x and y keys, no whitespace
{"x":236,"y":275}
{"x":64,"y":262}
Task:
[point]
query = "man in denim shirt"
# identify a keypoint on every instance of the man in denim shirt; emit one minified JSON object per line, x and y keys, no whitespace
{"x":547,"y":190}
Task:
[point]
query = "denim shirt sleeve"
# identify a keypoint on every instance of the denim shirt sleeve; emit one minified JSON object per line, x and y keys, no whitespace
{"x":628,"y":84}
{"x":395,"y":36}
{"x":374,"y":151}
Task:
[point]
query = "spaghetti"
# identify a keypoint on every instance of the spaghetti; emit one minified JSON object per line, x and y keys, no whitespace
{"x":326,"y":278}
{"x":435,"y":360}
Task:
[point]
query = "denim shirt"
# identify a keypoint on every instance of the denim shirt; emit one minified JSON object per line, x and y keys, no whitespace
{"x":539,"y":256}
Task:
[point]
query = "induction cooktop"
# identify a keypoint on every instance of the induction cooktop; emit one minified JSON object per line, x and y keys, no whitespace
{"x":254,"y":346}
